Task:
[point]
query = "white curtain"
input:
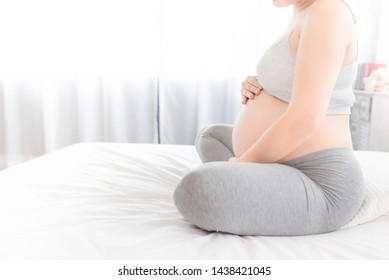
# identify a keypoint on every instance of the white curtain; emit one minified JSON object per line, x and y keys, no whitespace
{"x":383,"y":33}
{"x":40,"y":115}
{"x":150,"y":71}
{"x":372,"y":23}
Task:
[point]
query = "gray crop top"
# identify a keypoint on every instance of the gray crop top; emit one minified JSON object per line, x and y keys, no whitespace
{"x":276,"y":68}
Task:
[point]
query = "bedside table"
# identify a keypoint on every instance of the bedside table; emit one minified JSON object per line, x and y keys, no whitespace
{"x":369,"y":121}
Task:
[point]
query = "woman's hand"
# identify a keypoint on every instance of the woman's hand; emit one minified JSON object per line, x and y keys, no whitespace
{"x":250,"y":88}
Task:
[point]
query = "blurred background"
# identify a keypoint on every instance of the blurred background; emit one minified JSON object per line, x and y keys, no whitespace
{"x":137,"y":71}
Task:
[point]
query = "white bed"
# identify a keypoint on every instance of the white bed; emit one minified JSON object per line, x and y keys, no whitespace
{"x":114,"y":201}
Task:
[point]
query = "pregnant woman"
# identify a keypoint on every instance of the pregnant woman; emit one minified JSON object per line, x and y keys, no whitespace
{"x":287,"y":167}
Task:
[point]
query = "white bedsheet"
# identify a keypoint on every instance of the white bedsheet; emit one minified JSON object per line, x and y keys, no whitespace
{"x":114,"y":201}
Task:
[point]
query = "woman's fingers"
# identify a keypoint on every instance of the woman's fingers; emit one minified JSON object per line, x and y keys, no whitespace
{"x":255,"y":90}
{"x":250,"y":88}
{"x":254,"y":82}
{"x":254,"y":86}
{"x":247,"y":94}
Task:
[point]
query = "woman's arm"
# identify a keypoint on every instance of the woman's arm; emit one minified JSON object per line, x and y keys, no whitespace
{"x":322,"y":46}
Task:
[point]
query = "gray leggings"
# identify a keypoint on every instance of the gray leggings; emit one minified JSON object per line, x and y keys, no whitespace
{"x":316,"y":193}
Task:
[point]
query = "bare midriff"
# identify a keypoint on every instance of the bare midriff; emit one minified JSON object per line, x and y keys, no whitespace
{"x":261,"y":112}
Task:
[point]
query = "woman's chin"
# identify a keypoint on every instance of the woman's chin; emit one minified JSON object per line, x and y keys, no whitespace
{"x":280,"y":3}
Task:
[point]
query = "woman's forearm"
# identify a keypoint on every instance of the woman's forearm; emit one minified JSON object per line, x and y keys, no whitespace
{"x":280,"y":139}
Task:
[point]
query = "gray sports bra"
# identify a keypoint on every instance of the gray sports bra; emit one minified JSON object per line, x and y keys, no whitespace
{"x":276,"y":68}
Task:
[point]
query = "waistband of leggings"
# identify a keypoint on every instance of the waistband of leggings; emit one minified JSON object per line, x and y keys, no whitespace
{"x":326,"y":153}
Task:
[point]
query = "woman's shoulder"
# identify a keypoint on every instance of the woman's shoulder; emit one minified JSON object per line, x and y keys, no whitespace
{"x":334,"y":13}
{"x":334,"y":9}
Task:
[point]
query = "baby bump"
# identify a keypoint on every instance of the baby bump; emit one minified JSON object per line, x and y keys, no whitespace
{"x":255,"y":117}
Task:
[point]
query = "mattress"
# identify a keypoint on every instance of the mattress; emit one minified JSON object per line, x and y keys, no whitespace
{"x":114,"y":201}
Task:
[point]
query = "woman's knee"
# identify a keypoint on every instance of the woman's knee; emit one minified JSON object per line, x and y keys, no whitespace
{"x":214,"y":143}
{"x":195,"y":196}
{"x":204,"y":133}
{"x":191,"y":192}
{"x":214,"y":131}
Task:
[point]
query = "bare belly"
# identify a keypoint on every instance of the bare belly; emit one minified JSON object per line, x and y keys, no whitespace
{"x":261,"y":112}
